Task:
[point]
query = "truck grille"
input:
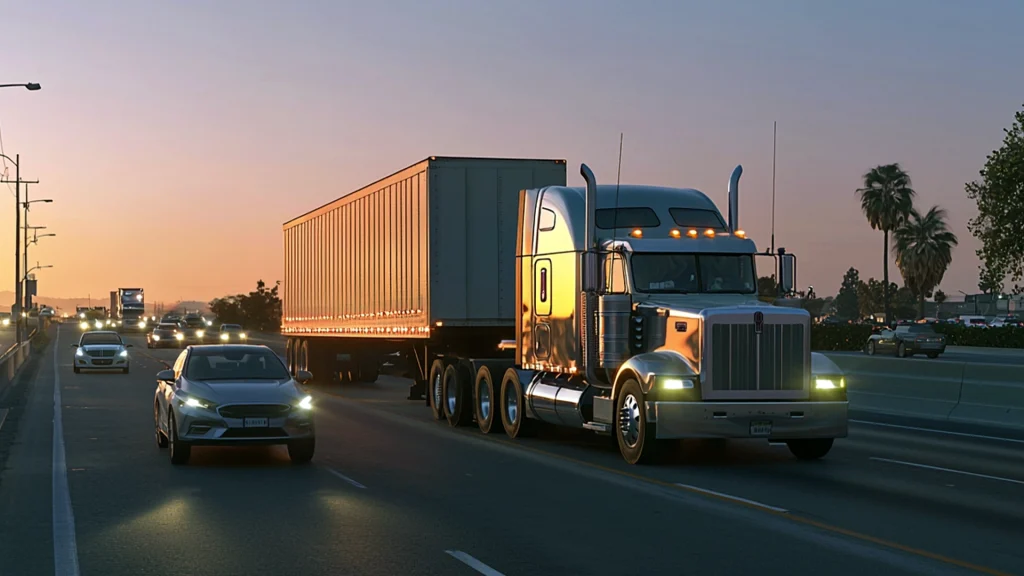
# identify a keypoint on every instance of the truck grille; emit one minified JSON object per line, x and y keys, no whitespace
{"x":742,"y":360}
{"x":254,"y":410}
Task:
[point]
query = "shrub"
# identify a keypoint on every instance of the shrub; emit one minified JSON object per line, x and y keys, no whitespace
{"x":1003,"y":337}
{"x":839,"y":337}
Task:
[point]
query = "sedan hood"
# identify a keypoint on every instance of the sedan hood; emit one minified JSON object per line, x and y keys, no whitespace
{"x":241,"y":391}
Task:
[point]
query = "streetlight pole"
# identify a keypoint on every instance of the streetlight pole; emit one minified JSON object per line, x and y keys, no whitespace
{"x":26,"y":204}
{"x":16,"y":309}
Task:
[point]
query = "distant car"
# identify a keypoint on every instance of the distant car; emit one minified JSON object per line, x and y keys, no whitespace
{"x":90,"y":323}
{"x":232,"y":333}
{"x":193,"y":329}
{"x":907,"y":340}
{"x":229,"y":395}
{"x":5,"y":319}
{"x":101,"y":350}
{"x":165,"y":335}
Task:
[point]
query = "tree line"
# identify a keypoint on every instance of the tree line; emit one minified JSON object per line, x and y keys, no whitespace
{"x":259,"y":310}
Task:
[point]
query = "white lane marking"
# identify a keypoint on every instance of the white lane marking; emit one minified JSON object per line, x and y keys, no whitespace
{"x":934,"y":431}
{"x":3,"y":416}
{"x":473,"y":563}
{"x":346,"y":478}
{"x":941,"y":469}
{"x":65,"y":546}
{"x":733,"y":498}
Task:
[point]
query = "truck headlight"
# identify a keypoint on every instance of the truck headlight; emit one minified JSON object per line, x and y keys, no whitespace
{"x":83,"y":325}
{"x":829,"y":382}
{"x":677,"y":384}
{"x":179,"y":336}
{"x":142,"y":324}
{"x":7,"y":321}
{"x":199,"y":333}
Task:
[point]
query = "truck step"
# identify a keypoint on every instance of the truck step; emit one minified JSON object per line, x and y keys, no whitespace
{"x":598,"y":427}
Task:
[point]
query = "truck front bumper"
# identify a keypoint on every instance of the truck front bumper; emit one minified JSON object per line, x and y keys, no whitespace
{"x":775,"y":421}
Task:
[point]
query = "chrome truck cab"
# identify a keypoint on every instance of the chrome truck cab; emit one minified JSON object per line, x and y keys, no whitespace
{"x":640,"y":317}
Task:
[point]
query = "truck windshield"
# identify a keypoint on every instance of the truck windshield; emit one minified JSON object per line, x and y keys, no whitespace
{"x":667,"y":273}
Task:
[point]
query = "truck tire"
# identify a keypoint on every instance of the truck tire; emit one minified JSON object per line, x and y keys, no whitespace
{"x":435,"y":392}
{"x":513,"y":407}
{"x":289,"y":356}
{"x":487,"y":401}
{"x":637,"y":438}
{"x":810,"y":448}
{"x":458,"y":409}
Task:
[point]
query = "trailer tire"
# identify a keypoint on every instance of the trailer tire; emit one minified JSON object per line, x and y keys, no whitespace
{"x":457,"y":395}
{"x":637,"y":438}
{"x":513,"y":407}
{"x":435,"y":392}
{"x":487,"y":401}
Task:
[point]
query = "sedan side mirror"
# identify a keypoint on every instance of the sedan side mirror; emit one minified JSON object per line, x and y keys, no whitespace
{"x":74,"y":345}
{"x":129,"y":345}
{"x":303,"y":376}
{"x":165,"y":376}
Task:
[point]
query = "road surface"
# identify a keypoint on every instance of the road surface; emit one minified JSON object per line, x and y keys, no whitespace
{"x":391,"y":492}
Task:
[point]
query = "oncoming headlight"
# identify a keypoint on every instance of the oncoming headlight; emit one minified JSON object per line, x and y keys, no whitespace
{"x":306,"y":403}
{"x":179,"y":336}
{"x":199,"y":333}
{"x":124,"y":353}
{"x":677,"y":384}
{"x":224,"y":336}
{"x":83,"y":325}
{"x":829,"y":382}
{"x":156,"y":337}
{"x":142,"y":324}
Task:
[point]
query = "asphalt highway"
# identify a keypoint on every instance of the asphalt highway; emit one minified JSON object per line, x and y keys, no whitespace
{"x":390,"y":491}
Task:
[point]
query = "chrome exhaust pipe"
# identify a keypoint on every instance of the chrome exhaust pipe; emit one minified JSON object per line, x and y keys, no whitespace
{"x":734,"y":199}
{"x":589,"y":301}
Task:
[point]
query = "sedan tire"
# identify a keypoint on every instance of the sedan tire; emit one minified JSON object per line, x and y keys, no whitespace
{"x":301,"y":451}
{"x":180,"y":451}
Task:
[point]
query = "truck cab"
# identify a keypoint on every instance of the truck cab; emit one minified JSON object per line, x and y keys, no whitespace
{"x":641,"y":317}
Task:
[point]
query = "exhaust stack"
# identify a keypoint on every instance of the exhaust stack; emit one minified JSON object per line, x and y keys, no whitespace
{"x":588,"y":304}
{"x":734,"y":199}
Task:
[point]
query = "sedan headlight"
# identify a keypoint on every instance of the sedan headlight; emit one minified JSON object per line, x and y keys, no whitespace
{"x":99,"y":324}
{"x":79,"y":352}
{"x":83,"y":325}
{"x":124,"y":353}
{"x":179,"y":336}
{"x":142,"y":324}
{"x":306,"y":403}
{"x":199,"y":333}
{"x":223,"y":336}
{"x":7,"y":321}
{"x":156,"y":337}
{"x":243,"y":336}
{"x":194,"y":402}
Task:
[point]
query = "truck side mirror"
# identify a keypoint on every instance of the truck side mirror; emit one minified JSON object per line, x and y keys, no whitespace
{"x":787,"y":273}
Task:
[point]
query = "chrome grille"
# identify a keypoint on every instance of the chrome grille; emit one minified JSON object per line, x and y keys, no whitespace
{"x":741,"y":360}
{"x":101,"y":353}
{"x":254,"y":410}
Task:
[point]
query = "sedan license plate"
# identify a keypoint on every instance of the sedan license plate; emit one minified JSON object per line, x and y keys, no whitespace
{"x":761,"y":428}
{"x":256,"y":422}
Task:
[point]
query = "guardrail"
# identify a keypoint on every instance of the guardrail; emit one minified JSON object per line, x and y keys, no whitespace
{"x":13,"y":359}
{"x":974,"y":392}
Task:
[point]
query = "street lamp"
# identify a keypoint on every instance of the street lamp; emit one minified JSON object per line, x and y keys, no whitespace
{"x":33,"y":86}
{"x":24,"y":311}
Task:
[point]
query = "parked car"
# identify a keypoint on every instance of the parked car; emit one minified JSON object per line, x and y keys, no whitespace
{"x":907,"y":340}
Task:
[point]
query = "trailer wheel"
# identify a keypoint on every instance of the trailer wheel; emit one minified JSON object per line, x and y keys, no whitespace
{"x":487,"y":401}
{"x":637,"y":437}
{"x":457,"y":395}
{"x":513,"y":407}
{"x":435,"y":393}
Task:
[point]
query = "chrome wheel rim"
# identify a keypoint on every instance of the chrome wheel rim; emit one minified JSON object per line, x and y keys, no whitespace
{"x":436,"y":385}
{"x":452,"y":390}
{"x":484,"y":393}
{"x":629,"y":421}
{"x":511,"y":404}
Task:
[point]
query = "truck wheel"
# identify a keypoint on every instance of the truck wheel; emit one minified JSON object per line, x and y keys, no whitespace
{"x":513,"y":407}
{"x":487,"y":401}
{"x":434,"y":388}
{"x":455,"y":385}
{"x":810,"y":448}
{"x":289,"y":355}
{"x":637,"y":437}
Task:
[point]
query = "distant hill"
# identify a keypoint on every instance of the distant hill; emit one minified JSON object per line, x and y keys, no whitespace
{"x":69,"y":304}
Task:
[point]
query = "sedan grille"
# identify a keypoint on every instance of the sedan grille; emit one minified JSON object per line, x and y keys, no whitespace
{"x":254,"y":410}
{"x":742,"y":360}
{"x":101,"y":353}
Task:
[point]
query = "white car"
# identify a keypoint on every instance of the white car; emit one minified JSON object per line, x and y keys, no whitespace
{"x":101,"y":350}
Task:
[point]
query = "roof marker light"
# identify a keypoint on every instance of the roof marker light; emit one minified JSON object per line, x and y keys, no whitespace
{"x":675,"y":233}
{"x":740,"y":234}
{"x":691,"y":233}
{"x":637,"y":233}
{"x":709,"y":233}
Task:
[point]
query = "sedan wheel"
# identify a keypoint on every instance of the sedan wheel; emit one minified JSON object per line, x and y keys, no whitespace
{"x":180,"y":451}
{"x":161,"y":440}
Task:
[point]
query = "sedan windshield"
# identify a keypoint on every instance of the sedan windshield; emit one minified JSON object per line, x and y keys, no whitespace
{"x":230,"y":363}
{"x":669,"y":273}
{"x":167,"y":327}
{"x":230,"y":328}
{"x":94,"y":339}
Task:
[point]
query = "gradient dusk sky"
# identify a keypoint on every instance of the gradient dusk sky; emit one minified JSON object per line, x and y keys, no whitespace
{"x":176,"y":137}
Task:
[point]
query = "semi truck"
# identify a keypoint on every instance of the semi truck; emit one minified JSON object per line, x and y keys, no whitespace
{"x":625,"y":310}
{"x":131,"y":310}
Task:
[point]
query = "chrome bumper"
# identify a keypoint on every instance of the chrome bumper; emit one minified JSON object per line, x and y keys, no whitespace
{"x":105,"y":363}
{"x":206,"y":427}
{"x":788,"y":420}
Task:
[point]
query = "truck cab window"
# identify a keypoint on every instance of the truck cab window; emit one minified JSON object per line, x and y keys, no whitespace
{"x":614,"y":274}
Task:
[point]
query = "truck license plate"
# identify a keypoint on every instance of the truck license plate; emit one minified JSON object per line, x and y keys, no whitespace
{"x":761,"y":428}
{"x":256,"y":422}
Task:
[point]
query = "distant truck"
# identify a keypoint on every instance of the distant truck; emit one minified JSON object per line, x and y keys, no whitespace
{"x":625,"y":310}
{"x":131,"y":310}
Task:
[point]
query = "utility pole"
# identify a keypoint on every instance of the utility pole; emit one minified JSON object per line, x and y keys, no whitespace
{"x":16,"y":310}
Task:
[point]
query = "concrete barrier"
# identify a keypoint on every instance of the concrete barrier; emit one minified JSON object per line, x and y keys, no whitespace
{"x":973,"y":392}
{"x":11,"y":362}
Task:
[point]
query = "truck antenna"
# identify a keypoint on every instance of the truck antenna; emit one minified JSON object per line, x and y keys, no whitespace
{"x":775,"y":131}
{"x":618,"y":180}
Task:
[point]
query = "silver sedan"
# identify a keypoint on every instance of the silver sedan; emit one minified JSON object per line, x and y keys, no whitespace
{"x":230,"y":395}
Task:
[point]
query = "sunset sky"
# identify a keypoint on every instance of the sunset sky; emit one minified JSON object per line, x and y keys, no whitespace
{"x":176,"y":137}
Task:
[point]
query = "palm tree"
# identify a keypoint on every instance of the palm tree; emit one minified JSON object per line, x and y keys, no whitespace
{"x":924,"y":250}
{"x":886,"y":200}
